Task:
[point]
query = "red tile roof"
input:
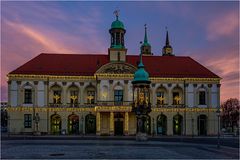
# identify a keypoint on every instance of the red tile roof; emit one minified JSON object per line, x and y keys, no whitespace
{"x":87,"y":65}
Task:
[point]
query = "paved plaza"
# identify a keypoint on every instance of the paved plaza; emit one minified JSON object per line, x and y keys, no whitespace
{"x":112,"y":149}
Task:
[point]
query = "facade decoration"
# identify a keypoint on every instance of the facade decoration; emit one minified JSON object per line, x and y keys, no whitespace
{"x":97,"y":94}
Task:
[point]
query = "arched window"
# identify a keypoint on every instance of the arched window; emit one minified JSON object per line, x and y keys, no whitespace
{"x":90,"y":94}
{"x":202,"y":98}
{"x":161,"y":94}
{"x":177,"y":124}
{"x":177,"y":95}
{"x":56,"y":124}
{"x":28,"y":96}
{"x":73,"y":93}
{"x":73,"y":124}
{"x":90,"y":124}
{"x":56,"y":94}
{"x":162,"y":124}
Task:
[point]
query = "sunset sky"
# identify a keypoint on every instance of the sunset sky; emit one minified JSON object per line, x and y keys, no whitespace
{"x":206,"y":31}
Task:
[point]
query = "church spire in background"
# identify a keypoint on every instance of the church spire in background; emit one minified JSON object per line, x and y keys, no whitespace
{"x":146,"y":47}
{"x":167,"y":49}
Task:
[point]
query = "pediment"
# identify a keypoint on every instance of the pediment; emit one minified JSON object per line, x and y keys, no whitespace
{"x":117,"y":68}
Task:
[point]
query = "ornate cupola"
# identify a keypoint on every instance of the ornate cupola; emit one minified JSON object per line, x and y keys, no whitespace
{"x":146,"y":47}
{"x":141,"y":105}
{"x":167,"y":49}
{"x":117,"y":51}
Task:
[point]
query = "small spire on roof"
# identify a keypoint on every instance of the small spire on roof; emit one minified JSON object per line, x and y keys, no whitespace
{"x":145,"y":36}
{"x":167,"y":39}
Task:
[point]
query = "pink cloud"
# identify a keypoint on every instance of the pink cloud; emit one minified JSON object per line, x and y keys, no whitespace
{"x":223,"y":26}
{"x":225,"y":63}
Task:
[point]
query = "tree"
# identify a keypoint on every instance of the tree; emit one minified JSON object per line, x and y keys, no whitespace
{"x":230,"y":113}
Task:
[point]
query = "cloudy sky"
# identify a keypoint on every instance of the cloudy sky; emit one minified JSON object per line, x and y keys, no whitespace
{"x":206,"y":31}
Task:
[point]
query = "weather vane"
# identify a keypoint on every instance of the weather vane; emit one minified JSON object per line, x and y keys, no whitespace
{"x":116,"y":12}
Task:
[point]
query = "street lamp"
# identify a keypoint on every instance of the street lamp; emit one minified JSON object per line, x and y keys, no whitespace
{"x":153,"y":126}
{"x":218,"y":119}
{"x":82,"y":124}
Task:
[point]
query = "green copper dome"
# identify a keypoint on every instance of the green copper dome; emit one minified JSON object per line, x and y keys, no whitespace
{"x":141,"y":76}
{"x":117,"y":24}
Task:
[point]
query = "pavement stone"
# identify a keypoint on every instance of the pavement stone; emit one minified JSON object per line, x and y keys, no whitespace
{"x":112,"y":149}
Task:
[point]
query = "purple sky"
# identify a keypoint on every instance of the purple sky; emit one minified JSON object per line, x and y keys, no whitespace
{"x":206,"y":31}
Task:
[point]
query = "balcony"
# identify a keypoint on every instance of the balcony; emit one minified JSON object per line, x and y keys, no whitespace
{"x":55,"y":105}
{"x":114,"y":103}
{"x":170,"y":106}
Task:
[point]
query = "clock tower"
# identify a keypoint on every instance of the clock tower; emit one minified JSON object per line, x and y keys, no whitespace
{"x":167,"y":49}
{"x":117,"y":51}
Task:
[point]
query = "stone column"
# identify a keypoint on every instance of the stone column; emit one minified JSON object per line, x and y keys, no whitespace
{"x":218,"y":95}
{"x":111,"y":123}
{"x":195,"y":95}
{"x":186,"y":94}
{"x":170,"y":125}
{"x":46,"y":94}
{"x":209,"y":97}
{"x":126,"y":124}
{"x":81,"y":93}
{"x":83,"y":124}
{"x":98,"y":123}
{"x":111,"y":90}
{"x":125,"y":91}
{"x":153,"y":100}
{"x":170,"y":98}
{"x":35,"y":93}
{"x":64,"y":94}
{"x":19,"y":95}
{"x":9,"y":92}
{"x":98,"y":90}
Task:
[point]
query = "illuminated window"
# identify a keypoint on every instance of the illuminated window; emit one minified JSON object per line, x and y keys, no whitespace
{"x":90,"y":97}
{"x":176,"y":98}
{"x":57,"y":96}
{"x":160,"y":97}
{"x":74,"y":97}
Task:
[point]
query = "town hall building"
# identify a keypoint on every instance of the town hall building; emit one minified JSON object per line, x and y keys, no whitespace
{"x":86,"y":94}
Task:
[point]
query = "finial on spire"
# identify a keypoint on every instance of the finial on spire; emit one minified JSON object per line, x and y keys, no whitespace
{"x":116,"y":12}
{"x":145,"y":36}
{"x":167,"y":39}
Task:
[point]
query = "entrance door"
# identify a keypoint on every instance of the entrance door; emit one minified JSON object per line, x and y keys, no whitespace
{"x":202,"y":125}
{"x":162,"y":124}
{"x":118,"y":127}
{"x":73,"y":124}
{"x":90,"y":124}
{"x":177,"y":124}
{"x":56,"y":124}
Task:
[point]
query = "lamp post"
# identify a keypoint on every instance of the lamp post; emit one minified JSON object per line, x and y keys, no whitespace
{"x":192,"y":127}
{"x":82,"y":124}
{"x":218,"y":119}
{"x":153,"y":126}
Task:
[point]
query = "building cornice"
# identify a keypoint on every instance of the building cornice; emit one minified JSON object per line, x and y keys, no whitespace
{"x":107,"y":76}
{"x":105,"y":109}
